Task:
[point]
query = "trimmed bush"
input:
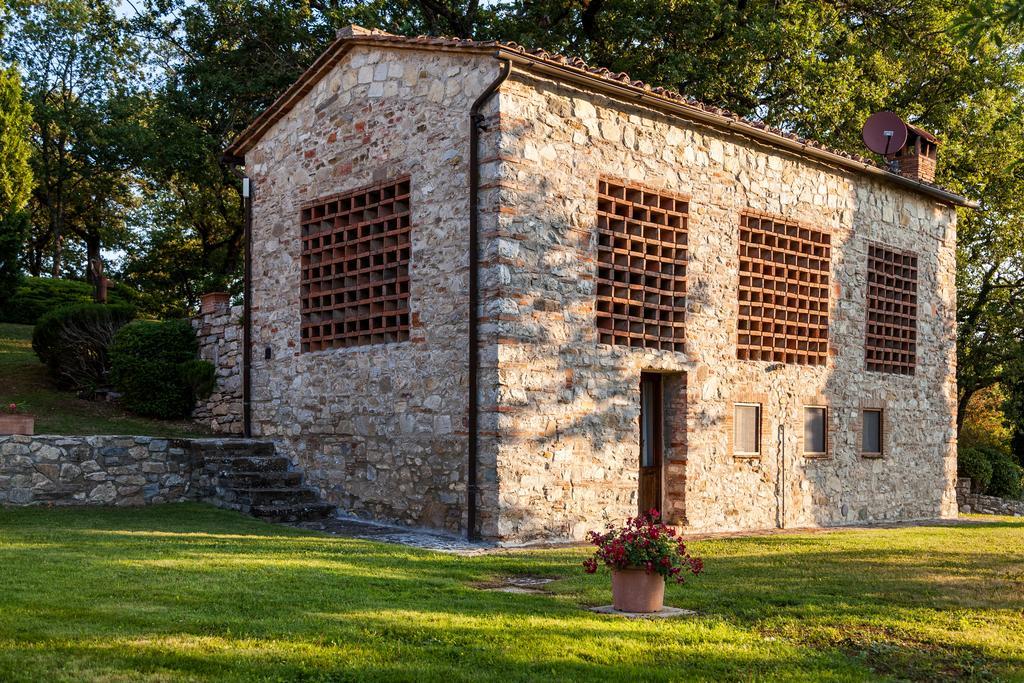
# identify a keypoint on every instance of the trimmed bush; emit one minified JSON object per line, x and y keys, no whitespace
{"x":974,"y":463}
{"x":1007,"y":479}
{"x":153,"y":365}
{"x":72,"y":342}
{"x":36,"y":296}
{"x":200,"y":376}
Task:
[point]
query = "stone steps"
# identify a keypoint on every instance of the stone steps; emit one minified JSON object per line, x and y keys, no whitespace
{"x":252,"y":478}
{"x":228,"y":466}
{"x":292,"y":513}
{"x":259,"y":480}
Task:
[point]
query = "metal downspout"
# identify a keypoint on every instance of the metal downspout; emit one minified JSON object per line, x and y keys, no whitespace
{"x":247,"y":313}
{"x":473,"y":417}
{"x":235,"y":163}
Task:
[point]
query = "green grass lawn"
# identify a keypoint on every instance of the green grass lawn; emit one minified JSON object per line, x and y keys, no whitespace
{"x":187,"y":592}
{"x":23,"y":380}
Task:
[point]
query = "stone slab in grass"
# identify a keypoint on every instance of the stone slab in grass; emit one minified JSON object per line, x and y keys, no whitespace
{"x":665,"y":613}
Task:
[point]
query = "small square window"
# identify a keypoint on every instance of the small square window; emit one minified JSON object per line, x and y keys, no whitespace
{"x":815,"y":425}
{"x":871,"y":432}
{"x":747,"y":426}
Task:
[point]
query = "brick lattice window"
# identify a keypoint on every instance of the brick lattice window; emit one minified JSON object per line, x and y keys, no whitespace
{"x":891,"y":340}
{"x":355,"y":267}
{"x":783,"y":292}
{"x":641,"y":271}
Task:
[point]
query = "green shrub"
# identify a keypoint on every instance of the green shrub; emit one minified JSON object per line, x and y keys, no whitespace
{"x":200,"y":376}
{"x":974,"y":463}
{"x":36,"y":296}
{"x":1007,"y":479}
{"x":153,"y":366}
{"x":73,"y":340}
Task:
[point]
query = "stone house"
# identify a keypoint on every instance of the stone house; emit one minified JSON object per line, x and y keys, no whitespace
{"x":501,"y":292}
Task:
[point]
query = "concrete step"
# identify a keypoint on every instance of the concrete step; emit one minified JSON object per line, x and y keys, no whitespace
{"x":272,"y":479}
{"x":213,"y":448}
{"x":279,"y":496}
{"x":225,"y":465}
{"x":292,"y":513}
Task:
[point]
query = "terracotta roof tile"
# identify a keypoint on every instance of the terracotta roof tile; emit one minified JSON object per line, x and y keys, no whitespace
{"x":358,"y":35}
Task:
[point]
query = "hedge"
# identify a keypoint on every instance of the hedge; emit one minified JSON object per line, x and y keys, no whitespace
{"x":72,"y":342}
{"x":972,"y":462}
{"x":992,"y":471}
{"x":1006,"y":479}
{"x":154,"y":366}
{"x":36,"y":296}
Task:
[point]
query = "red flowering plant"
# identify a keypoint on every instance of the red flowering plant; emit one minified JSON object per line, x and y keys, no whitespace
{"x":644,"y":543}
{"x":12,"y":408}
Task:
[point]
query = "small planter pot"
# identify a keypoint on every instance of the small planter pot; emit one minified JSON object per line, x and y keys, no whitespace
{"x":214,"y":302}
{"x":17,"y":424}
{"x":634,"y":590}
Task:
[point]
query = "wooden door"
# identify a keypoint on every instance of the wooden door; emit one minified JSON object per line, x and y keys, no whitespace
{"x":652,"y":430}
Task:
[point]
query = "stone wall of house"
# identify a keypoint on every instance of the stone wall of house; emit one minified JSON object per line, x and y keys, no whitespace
{"x":969,"y":501}
{"x":95,"y":470}
{"x":379,"y":429}
{"x":569,"y":406}
{"x":219,"y":331}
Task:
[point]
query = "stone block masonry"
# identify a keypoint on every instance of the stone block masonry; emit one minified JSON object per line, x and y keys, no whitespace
{"x":219,"y":332}
{"x":381,"y":428}
{"x":94,"y":470}
{"x":987,"y":505}
{"x":237,"y":474}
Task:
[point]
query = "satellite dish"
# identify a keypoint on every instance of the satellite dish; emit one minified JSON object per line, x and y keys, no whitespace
{"x":884,"y":133}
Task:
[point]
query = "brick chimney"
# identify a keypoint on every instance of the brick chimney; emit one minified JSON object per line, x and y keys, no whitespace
{"x":353,"y":30}
{"x":917,"y":158}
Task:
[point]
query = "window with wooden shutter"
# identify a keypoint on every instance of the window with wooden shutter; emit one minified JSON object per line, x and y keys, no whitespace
{"x":871,"y":432}
{"x":641,"y":266}
{"x":890,"y":343}
{"x":356,"y":249}
{"x":747,"y":426}
{"x":815,"y":430}
{"x":783,"y":292}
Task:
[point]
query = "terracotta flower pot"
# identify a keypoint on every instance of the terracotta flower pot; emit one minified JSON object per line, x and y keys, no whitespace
{"x":214,"y":302}
{"x":17,"y":424}
{"x":634,"y":590}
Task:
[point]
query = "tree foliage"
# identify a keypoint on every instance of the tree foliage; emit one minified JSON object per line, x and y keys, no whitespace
{"x":142,"y":166}
{"x":80,"y":69}
{"x":15,"y":179}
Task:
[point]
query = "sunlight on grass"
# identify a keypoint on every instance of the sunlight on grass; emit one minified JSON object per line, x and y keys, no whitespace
{"x":187,"y":592}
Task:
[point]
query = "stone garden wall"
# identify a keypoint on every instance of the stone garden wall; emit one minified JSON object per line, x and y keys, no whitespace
{"x":988,"y":505}
{"x":95,"y":470}
{"x":133,"y":470}
{"x":219,"y":331}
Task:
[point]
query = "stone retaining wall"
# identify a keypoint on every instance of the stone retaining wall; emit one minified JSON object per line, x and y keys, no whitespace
{"x":94,"y":470}
{"x":987,"y":505}
{"x":220,"y":342}
{"x":123,"y":470}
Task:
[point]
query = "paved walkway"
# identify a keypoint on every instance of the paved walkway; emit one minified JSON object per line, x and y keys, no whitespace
{"x":387,"y":533}
{"x":432,"y":540}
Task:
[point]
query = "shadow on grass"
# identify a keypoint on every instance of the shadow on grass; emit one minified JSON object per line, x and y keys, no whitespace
{"x":192,"y":592}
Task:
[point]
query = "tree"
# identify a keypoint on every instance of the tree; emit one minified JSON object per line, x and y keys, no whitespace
{"x":81,"y":68}
{"x":15,"y":178}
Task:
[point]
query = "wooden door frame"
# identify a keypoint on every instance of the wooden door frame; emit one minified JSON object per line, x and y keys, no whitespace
{"x":658,"y":408}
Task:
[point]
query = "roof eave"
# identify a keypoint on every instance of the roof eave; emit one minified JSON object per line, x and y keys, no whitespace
{"x":736,"y":126}
{"x":248,"y":138}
